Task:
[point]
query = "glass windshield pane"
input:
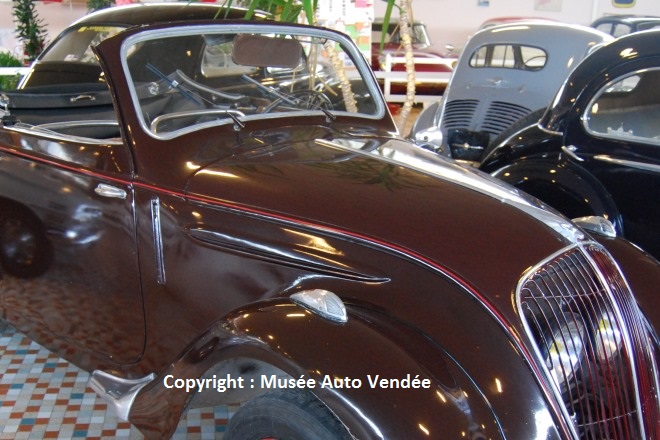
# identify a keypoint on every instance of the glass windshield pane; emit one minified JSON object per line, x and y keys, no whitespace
{"x":76,"y":45}
{"x":186,"y":81}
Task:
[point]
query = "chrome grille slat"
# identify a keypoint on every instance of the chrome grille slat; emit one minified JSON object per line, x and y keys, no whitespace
{"x":591,"y":338}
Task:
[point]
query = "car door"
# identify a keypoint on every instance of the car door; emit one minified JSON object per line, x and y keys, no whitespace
{"x":618,"y":140}
{"x":67,"y":230}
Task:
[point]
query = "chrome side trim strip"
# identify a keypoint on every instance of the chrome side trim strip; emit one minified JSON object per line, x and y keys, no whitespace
{"x":629,"y":163}
{"x":279,"y":256}
{"x":118,"y":392}
{"x":158,"y":240}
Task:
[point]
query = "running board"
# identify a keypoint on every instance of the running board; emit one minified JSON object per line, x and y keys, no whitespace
{"x":118,"y":392}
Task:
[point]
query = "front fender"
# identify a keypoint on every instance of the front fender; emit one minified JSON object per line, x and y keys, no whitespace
{"x":642,"y":271}
{"x":346,"y":363}
{"x":563,"y":185}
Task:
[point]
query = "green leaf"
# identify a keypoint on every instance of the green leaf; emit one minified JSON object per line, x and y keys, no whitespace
{"x":386,"y":22}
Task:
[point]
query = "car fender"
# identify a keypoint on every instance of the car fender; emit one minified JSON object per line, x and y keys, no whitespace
{"x":346,"y":363}
{"x":642,"y":272}
{"x":557,"y":181}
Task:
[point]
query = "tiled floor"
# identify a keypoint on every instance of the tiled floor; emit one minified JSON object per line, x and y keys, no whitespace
{"x":43,"y":396}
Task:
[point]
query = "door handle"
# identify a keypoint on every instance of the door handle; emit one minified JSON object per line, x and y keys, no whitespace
{"x":105,"y":190}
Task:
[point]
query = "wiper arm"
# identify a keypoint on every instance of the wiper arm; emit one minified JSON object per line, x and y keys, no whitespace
{"x":174,"y":84}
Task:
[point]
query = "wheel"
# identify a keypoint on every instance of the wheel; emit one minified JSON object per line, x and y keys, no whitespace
{"x":25,"y":252}
{"x":285,"y":414}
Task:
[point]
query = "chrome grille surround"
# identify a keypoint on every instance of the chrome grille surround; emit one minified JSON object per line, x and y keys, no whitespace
{"x":578,"y":303}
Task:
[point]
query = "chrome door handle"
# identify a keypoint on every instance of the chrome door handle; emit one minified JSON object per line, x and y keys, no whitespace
{"x":105,"y":190}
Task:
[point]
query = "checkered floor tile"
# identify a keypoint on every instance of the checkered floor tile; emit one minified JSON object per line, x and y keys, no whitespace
{"x":43,"y":396}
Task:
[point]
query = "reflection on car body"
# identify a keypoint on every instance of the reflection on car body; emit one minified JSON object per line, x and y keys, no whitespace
{"x":596,"y":151}
{"x":267,"y":238}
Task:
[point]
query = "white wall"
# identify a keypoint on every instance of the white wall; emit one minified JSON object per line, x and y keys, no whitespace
{"x":453,"y":21}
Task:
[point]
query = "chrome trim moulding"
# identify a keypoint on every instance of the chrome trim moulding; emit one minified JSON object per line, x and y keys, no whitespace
{"x":118,"y":392}
{"x":629,"y":163}
{"x":158,"y":240}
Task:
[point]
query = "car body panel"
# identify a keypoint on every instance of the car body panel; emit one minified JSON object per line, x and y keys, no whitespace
{"x":232,"y":219}
{"x":505,"y":73}
{"x":612,"y":143}
{"x":81,"y":225}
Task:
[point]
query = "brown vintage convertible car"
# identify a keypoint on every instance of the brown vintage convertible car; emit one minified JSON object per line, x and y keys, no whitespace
{"x":246,"y":226}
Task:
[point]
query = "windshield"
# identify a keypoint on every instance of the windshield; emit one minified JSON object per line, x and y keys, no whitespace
{"x":199,"y":76}
{"x":76,"y":45}
{"x":420,"y":36}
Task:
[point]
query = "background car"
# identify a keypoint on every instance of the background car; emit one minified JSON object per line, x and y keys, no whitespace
{"x":619,"y":25}
{"x":505,"y":73}
{"x":597,"y":148}
{"x":428,"y":59}
{"x":276,"y":245}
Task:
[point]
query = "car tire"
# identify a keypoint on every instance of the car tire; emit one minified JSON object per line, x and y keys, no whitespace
{"x":285,"y":414}
{"x":25,"y":252}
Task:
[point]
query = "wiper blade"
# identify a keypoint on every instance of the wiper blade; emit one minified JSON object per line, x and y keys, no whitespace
{"x":174,"y":84}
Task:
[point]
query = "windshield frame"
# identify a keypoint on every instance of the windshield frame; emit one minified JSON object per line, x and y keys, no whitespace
{"x":356,"y":58}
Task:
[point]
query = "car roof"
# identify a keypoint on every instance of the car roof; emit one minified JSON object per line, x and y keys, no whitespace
{"x":630,"y":19}
{"x":544,"y":34}
{"x":143,"y":13}
{"x":496,"y":21}
{"x":608,"y":58}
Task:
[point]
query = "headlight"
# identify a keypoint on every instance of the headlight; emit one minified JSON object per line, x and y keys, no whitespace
{"x":608,"y":340}
{"x":565,"y":350}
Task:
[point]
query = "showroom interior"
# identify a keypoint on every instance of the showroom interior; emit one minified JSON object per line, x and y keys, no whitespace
{"x":42,"y":395}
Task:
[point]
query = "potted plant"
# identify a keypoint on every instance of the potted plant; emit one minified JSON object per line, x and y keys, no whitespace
{"x":29,"y":29}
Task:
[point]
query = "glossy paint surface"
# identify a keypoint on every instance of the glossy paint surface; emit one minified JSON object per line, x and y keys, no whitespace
{"x":582,"y":172}
{"x":177,"y":256}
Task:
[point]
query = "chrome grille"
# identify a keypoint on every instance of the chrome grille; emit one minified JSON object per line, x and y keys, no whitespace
{"x":592,"y":340}
{"x":501,"y":115}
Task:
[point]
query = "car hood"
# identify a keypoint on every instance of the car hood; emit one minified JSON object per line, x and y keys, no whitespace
{"x":388,"y":191}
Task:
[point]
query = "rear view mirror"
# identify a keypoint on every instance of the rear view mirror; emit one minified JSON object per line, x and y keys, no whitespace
{"x":262,"y":51}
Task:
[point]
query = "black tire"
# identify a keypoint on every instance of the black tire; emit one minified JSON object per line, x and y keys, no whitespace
{"x":285,"y":414}
{"x":25,"y":252}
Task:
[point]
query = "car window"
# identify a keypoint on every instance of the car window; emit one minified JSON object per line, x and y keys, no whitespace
{"x":621,"y":29}
{"x":605,"y":27}
{"x":185,"y":81}
{"x":217,"y":60}
{"x":647,"y":26}
{"x":627,"y":108}
{"x":511,"y":56}
{"x":420,"y":35}
{"x":76,"y":45}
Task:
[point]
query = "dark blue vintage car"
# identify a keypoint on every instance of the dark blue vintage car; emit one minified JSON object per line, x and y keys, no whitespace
{"x":596,"y":150}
